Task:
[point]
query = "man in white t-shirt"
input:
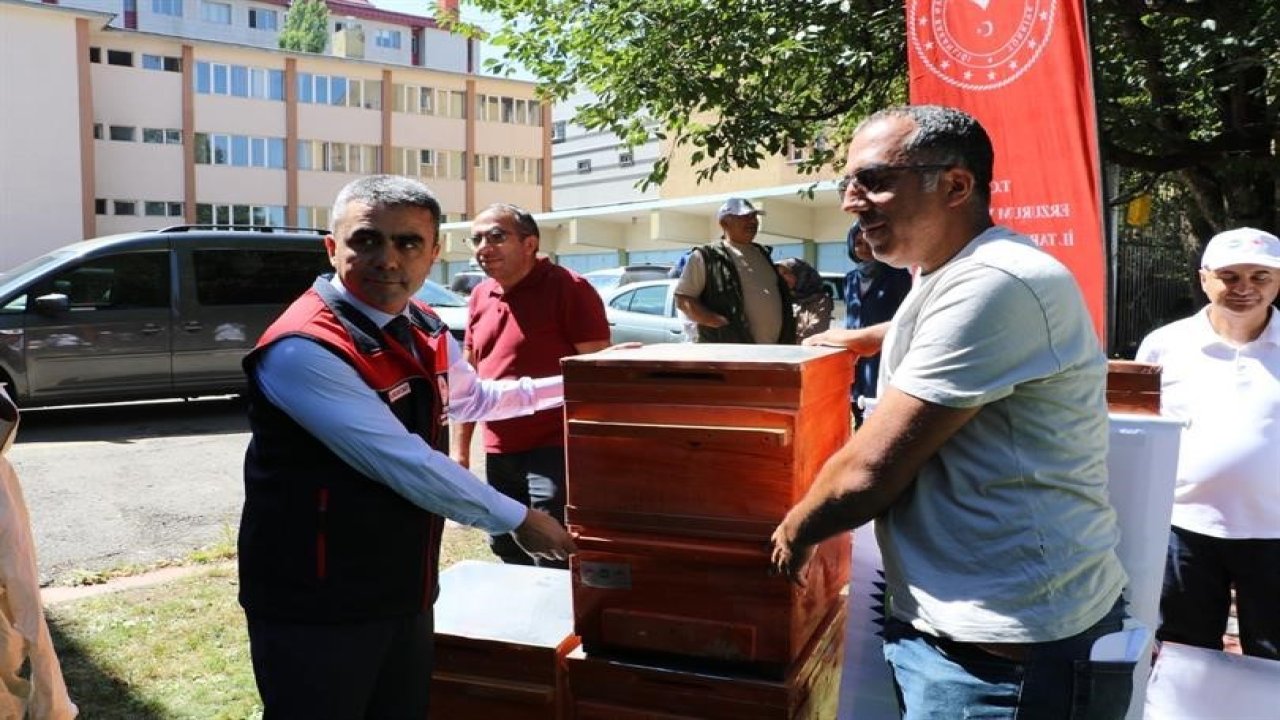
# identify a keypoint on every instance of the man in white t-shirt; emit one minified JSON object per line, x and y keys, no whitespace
{"x":731,"y":289}
{"x":1220,"y":372}
{"x":984,"y":463}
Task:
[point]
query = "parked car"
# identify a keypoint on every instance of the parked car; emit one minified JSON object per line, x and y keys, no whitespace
{"x":645,"y":312}
{"x":165,"y":313}
{"x":449,"y":305}
{"x":604,"y":281}
{"x":833,"y":283}
{"x":466,"y":281}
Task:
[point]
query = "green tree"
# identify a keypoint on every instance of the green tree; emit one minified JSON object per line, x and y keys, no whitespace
{"x":306,"y":26}
{"x":1187,"y":89}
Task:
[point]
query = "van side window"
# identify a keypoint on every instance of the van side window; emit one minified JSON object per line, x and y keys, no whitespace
{"x":130,"y":280}
{"x":256,"y":277}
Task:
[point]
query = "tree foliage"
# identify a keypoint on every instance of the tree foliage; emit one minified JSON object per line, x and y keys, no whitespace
{"x":306,"y":26}
{"x":1187,"y":88}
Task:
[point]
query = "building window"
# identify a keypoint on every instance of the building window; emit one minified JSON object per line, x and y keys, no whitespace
{"x":626,"y":159}
{"x":239,"y":81}
{"x":161,"y":62}
{"x":250,"y":215}
{"x":161,"y":208}
{"x":261,"y":19}
{"x":95,"y":55}
{"x":97,"y":131}
{"x":387,"y":39}
{"x":125,"y":133}
{"x":120,"y":57}
{"x":162,"y":136}
{"x":215,"y":12}
{"x":167,"y":7}
{"x":100,"y":206}
{"x":558,"y":129}
{"x":125,"y":207}
{"x":239,"y":150}
{"x":584,"y":167}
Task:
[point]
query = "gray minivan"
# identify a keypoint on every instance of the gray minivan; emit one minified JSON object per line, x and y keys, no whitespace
{"x":166,"y":313}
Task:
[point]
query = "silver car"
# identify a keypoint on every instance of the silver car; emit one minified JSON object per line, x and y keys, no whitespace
{"x":449,"y":305}
{"x":645,"y":312}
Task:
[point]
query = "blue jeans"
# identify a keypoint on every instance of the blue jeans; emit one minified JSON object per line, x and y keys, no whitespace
{"x":939,"y":678}
{"x":534,"y":478}
{"x":1198,"y":577}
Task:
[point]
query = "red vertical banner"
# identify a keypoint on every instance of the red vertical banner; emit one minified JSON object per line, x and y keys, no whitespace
{"x":1021,"y":67}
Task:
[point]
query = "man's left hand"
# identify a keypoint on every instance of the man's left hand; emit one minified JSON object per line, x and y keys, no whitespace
{"x":789,"y":558}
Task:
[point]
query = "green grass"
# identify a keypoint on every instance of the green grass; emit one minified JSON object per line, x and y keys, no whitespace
{"x":177,"y":650}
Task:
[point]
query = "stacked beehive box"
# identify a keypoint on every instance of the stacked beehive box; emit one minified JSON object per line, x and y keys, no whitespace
{"x":502,"y":634}
{"x":681,"y":461}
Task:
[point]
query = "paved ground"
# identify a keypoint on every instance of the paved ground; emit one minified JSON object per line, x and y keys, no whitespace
{"x":131,"y":484}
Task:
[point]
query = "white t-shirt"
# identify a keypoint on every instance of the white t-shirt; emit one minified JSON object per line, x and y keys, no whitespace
{"x":1229,"y":459}
{"x":1007,"y":533}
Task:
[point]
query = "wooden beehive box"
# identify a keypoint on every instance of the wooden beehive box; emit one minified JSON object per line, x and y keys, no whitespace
{"x":1133,"y":387}
{"x":700,"y":440}
{"x":502,"y":632}
{"x":668,"y":598}
{"x":600,"y":688}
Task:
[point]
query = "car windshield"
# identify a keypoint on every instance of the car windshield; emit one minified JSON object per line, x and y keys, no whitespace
{"x":437,"y":295}
{"x":602,"y":281}
{"x":19,"y":274}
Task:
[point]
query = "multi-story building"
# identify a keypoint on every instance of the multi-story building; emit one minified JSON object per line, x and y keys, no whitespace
{"x":162,"y":113}
{"x":590,"y":168}
{"x":388,"y":37}
{"x":602,"y":218}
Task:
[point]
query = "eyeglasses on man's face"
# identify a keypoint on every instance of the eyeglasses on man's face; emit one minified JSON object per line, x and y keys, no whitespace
{"x":879,"y":178}
{"x":493,"y":236}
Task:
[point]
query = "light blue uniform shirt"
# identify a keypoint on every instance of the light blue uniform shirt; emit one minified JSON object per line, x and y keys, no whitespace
{"x":327,"y":397}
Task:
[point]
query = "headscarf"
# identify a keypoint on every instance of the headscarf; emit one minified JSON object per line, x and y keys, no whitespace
{"x":808,"y":282}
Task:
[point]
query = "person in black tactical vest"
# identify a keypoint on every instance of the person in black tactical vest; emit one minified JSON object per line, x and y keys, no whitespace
{"x":731,"y":288}
{"x":347,"y":476}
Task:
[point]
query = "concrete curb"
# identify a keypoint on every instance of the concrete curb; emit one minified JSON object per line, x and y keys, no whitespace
{"x":59,"y":594}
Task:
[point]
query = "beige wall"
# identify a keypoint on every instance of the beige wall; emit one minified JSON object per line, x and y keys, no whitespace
{"x":40,"y":175}
{"x":428,"y":131}
{"x":241,"y":186}
{"x":339,"y":124}
{"x":240,"y":116}
{"x":682,"y":178}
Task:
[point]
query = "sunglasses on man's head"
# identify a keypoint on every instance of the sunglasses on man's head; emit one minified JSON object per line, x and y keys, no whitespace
{"x":879,"y":178}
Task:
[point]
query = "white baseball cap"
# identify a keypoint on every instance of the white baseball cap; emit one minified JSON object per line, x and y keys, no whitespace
{"x":1242,"y":246}
{"x":737,"y":206}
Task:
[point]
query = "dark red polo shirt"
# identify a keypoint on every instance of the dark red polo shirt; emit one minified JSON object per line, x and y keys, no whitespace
{"x":525,"y":331}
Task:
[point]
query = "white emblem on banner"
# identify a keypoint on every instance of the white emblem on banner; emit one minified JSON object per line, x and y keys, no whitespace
{"x":979,"y":44}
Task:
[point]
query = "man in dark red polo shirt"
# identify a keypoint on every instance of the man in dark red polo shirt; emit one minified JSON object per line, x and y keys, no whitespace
{"x":527,"y":315}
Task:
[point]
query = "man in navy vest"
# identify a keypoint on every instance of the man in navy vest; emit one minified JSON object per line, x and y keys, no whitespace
{"x":347,"y":476}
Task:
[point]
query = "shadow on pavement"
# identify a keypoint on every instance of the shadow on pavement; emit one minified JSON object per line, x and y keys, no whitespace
{"x":126,"y":422}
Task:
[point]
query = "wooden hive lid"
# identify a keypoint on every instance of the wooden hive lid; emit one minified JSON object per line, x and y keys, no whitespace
{"x":1133,"y":387}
